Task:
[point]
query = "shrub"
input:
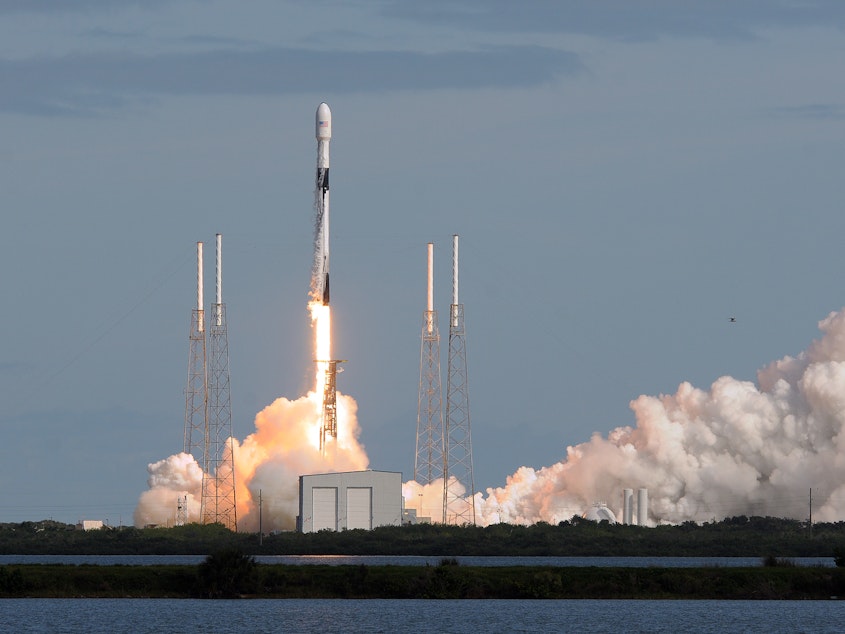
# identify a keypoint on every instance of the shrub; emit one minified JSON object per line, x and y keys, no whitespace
{"x":227,"y":573}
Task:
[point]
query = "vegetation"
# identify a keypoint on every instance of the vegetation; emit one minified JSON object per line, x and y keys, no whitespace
{"x":227,"y":573}
{"x":230,"y":569}
{"x":736,"y":536}
{"x":234,"y":575}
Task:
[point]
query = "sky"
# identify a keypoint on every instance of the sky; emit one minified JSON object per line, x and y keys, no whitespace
{"x":624,"y":175}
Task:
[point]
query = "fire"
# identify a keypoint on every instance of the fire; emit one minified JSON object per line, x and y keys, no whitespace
{"x":283,"y":446}
{"x":321,"y":322}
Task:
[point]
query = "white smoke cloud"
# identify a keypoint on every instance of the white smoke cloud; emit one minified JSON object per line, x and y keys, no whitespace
{"x":737,"y":449}
{"x":170,"y":480}
{"x":284,"y":445}
{"x":427,"y":499}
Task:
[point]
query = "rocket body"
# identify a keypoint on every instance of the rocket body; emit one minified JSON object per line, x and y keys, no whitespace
{"x":324,"y":135}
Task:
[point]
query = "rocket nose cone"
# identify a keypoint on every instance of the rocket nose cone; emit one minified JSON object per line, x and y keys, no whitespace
{"x":324,"y":121}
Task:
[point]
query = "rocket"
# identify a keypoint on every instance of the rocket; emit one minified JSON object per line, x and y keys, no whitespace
{"x":324,"y":135}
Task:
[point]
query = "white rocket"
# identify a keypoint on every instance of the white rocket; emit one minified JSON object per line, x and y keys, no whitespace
{"x":324,"y":135}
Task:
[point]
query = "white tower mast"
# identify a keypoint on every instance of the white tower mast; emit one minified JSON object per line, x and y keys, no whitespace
{"x":428,"y":462}
{"x":196,"y":389}
{"x":458,"y":482}
{"x":218,"y":483}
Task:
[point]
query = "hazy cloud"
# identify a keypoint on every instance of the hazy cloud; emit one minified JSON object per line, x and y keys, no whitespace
{"x":810,"y":111}
{"x":623,"y":19}
{"x":67,"y":6}
{"x":94,"y":83}
{"x":14,"y":367}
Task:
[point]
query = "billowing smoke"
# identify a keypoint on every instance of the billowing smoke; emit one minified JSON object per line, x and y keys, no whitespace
{"x":170,"y":480}
{"x":282,"y":448}
{"x":737,"y":449}
{"x":427,"y":500}
{"x":284,"y":445}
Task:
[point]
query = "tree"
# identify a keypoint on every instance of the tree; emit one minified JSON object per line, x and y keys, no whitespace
{"x":227,"y":573}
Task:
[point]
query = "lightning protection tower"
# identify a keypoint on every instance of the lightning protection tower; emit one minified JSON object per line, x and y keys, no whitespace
{"x":196,"y":390}
{"x":458,"y":485}
{"x":218,"y":480}
{"x":428,"y":463}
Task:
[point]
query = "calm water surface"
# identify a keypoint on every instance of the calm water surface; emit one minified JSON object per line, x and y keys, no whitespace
{"x":99,"y":616}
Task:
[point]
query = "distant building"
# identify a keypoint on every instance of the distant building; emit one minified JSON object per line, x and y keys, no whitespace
{"x":89,"y":525}
{"x":349,"y":500}
{"x":410,"y":517}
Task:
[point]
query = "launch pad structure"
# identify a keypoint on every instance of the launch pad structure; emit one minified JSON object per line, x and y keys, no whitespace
{"x":218,"y":481}
{"x":428,"y":462}
{"x":208,"y":409}
{"x":328,"y":423}
{"x":196,"y":393}
{"x":444,"y":448}
{"x":458,"y":484}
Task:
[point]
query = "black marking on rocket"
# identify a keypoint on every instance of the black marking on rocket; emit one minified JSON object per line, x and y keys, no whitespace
{"x":323,"y":187}
{"x":323,"y":179}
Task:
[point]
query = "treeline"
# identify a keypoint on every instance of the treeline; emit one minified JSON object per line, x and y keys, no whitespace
{"x":232,"y":574}
{"x":732,"y":537}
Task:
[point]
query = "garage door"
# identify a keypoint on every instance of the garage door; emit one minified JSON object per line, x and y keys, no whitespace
{"x":324,"y":508}
{"x":359,"y":507}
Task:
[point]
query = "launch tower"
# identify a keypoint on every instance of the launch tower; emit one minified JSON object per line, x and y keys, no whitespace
{"x":458,"y":485}
{"x":218,"y":480}
{"x":428,"y":462}
{"x":328,"y":427}
{"x":196,"y":389}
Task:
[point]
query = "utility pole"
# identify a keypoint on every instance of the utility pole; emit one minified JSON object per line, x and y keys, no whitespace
{"x":811,"y":512}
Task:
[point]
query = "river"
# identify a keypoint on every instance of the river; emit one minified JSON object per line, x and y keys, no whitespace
{"x":101,"y":616}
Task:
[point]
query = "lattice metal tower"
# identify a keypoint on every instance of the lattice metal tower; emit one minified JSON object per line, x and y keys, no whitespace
{"x":328,"y":428}
{"x":218,"y":481}
{"x":196,"y":390}
{"x":458,"y":484}
{"x":428,"y":463}
{"x":181,"y":510}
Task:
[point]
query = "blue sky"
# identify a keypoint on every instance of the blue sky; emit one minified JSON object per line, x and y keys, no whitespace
{"x":624,"y":176}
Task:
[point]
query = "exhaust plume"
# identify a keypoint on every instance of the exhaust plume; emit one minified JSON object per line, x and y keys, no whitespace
{"x":170,"y":479}
{"x":283,"y":446}
{"x":737,"y":449}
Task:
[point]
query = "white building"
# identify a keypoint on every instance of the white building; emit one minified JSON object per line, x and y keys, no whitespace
{"x":354,"y":499}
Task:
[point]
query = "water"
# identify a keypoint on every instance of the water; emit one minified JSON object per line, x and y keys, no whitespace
{"x":100,"y":616}
{"x":385,"y":560}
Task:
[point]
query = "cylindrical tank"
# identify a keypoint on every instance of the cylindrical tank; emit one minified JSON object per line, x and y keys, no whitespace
{"x":627,"y":506}
{"x":642,"y":507}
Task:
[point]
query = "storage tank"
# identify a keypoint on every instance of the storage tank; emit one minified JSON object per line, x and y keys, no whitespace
{"x":642,"y":507}
{"x":627,"y":506}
